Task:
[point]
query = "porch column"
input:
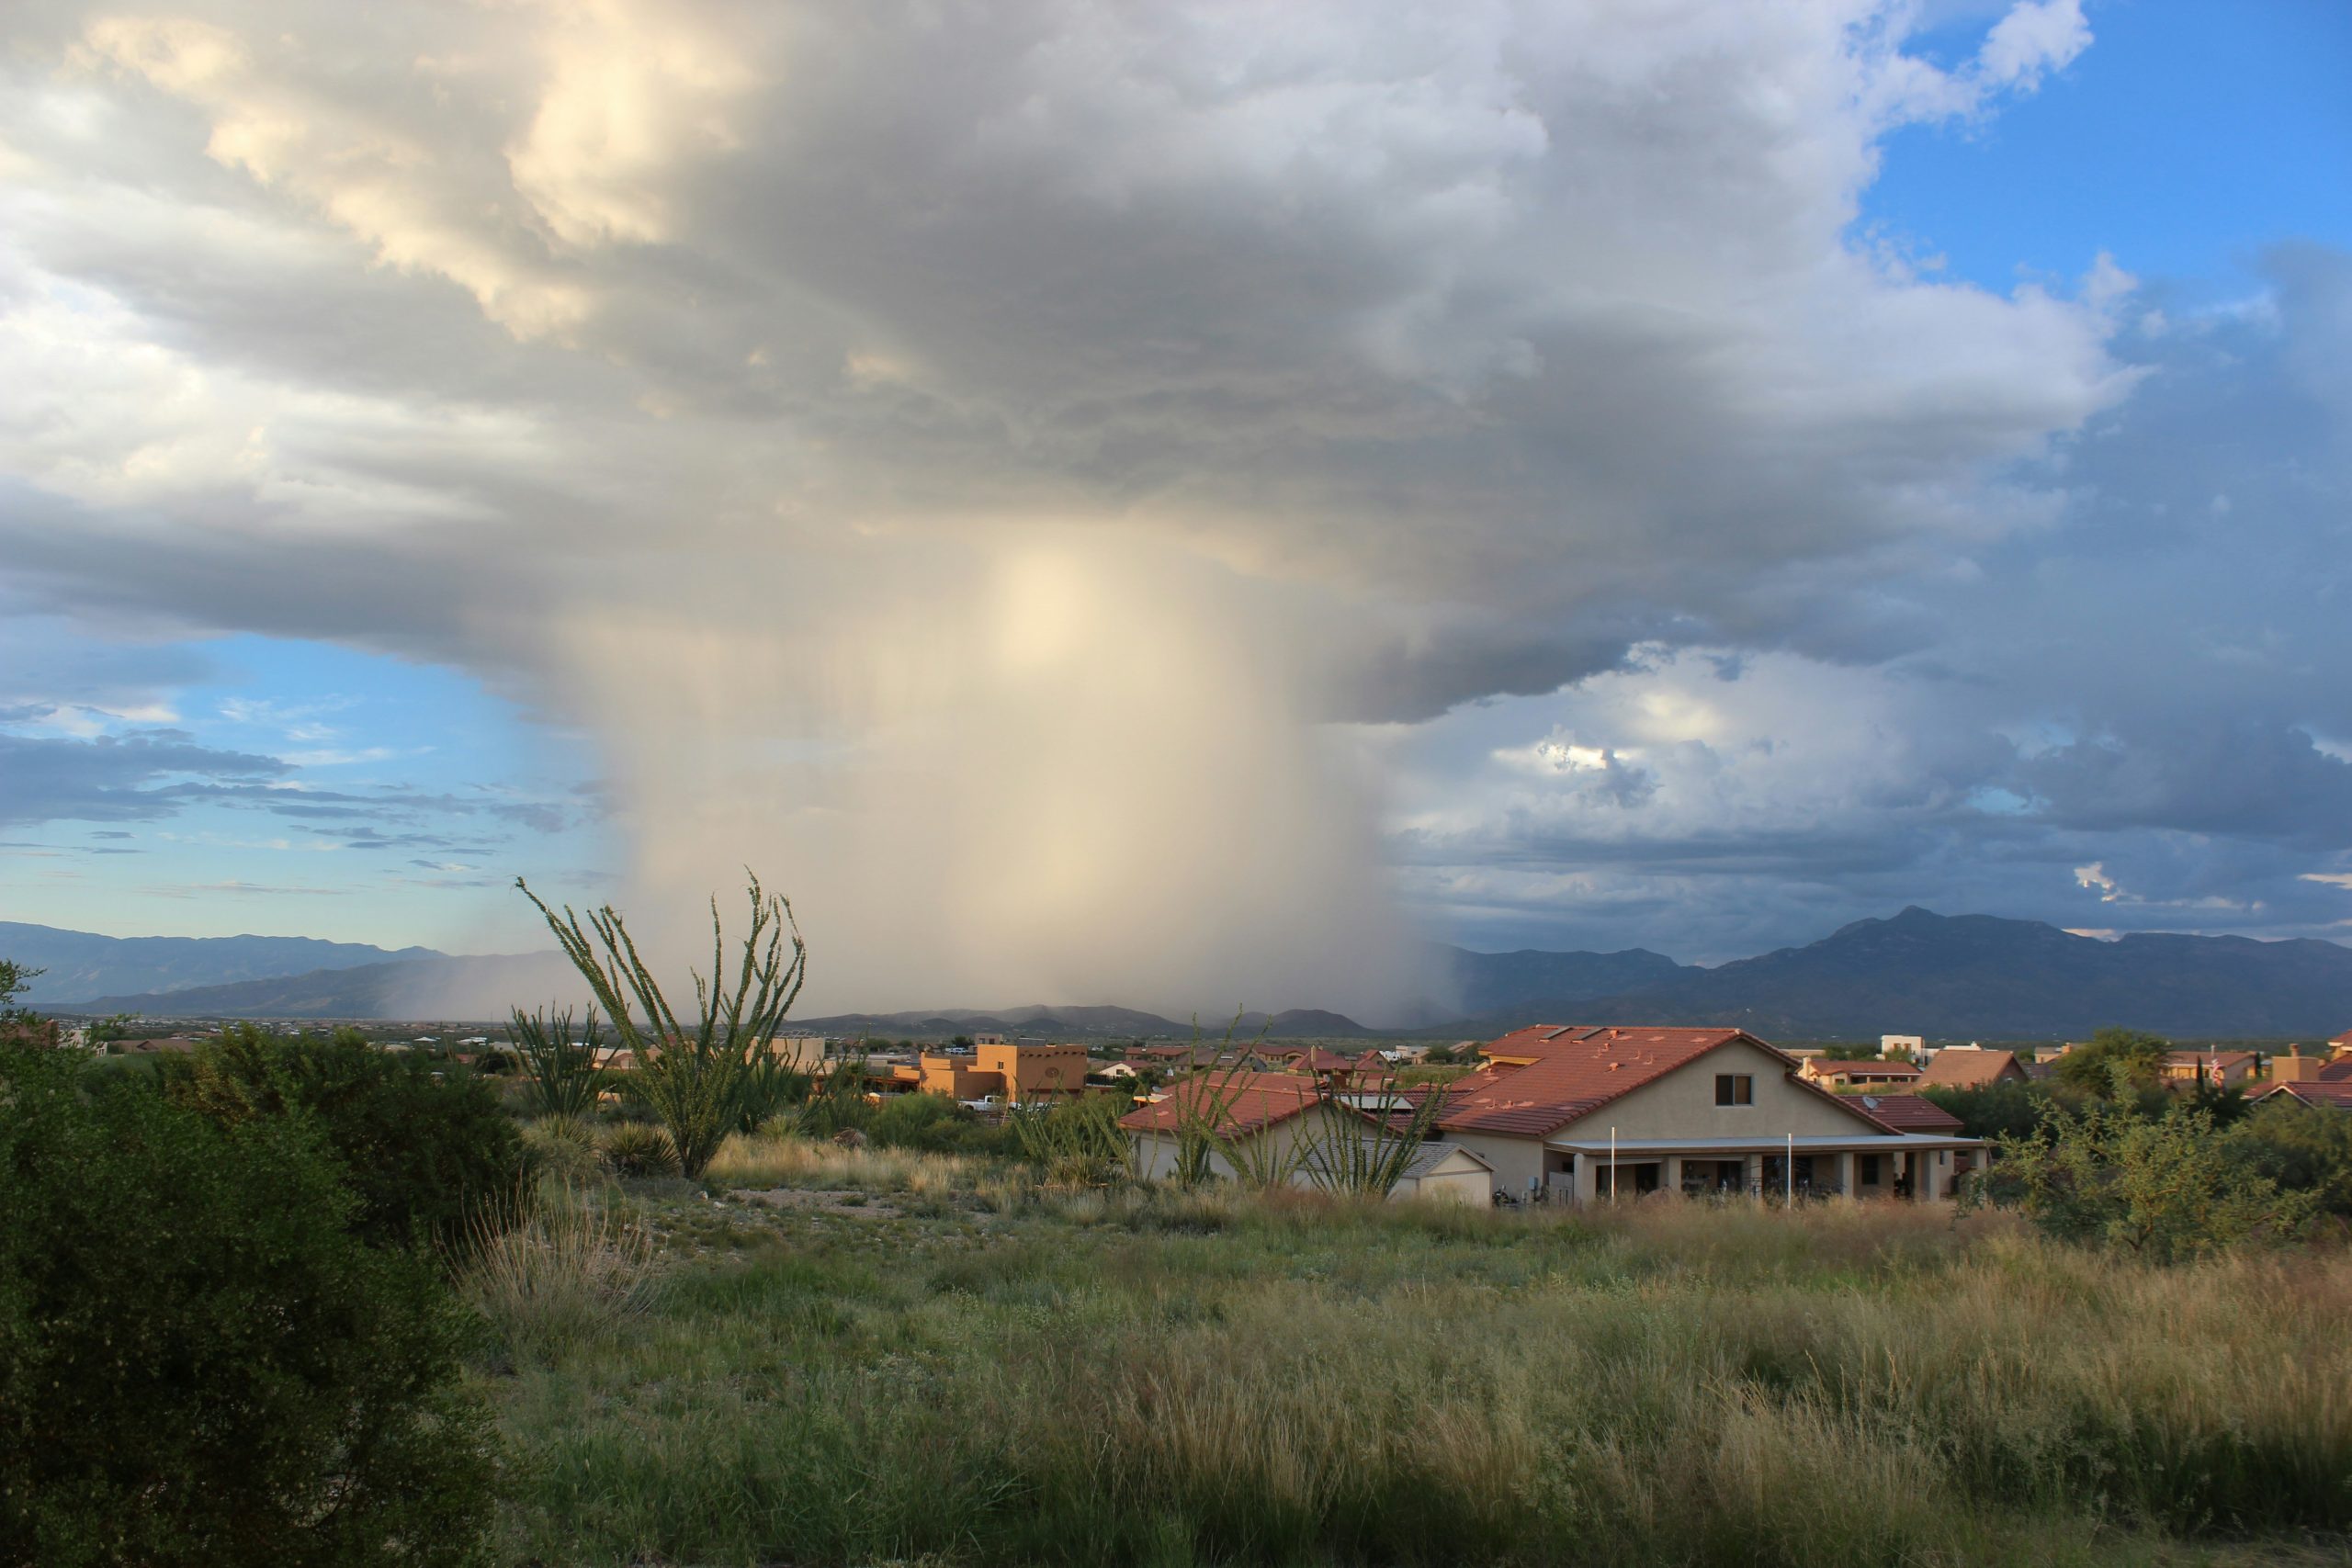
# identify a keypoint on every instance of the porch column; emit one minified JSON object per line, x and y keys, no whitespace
{"x":1932,"y":1166}
{"x":1669,"y":1175}
{"x":1751,"y":1174}
{"x":1846,"y":1175}
{"x":1587,"y":1179}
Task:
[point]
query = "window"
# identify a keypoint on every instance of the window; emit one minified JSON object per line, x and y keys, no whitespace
{"x":1870,"y":1170}
{"x":1735,"y":1088}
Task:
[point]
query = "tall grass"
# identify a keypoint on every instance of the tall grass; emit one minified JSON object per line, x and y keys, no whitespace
{"x":563,"y":1280}
{"x":1139,"y":1376}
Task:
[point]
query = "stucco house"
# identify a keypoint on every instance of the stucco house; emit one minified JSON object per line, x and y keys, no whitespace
{"x":1861,"y":1075}
{"x":1287,"y":1123}
{"x":1582,"y":1112}
{"x":1973,"y":1067}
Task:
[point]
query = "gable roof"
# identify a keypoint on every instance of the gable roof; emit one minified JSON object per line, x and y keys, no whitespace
{"x":1572,"y":1071}
{"x":1960,"y":1067}
{"x":1910,"y":1114}
{"x":2336,"y":1072}
{"x":2311,"y":1091}
{"x":1245,"y":1102}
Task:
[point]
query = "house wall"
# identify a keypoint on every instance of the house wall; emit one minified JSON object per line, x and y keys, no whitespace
{"x":1516,"y":1161}
{"x":1456,"y":1181}
{"x":1031,"y":1071}
{"x":1682,"y":1105}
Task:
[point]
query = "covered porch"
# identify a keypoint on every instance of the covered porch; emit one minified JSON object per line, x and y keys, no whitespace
{"x":1917,"y":1168}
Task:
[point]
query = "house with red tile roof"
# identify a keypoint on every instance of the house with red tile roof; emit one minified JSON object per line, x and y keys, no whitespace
{"x":1973,"y":1067}
{"x":2335,"y":1095}
{"x":1586,"y":1112}
{"x":1289,"y":1126}
{"x":2215,"y":1069}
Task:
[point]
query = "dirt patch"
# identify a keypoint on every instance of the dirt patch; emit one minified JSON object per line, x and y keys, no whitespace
{"x":808,"y":1199}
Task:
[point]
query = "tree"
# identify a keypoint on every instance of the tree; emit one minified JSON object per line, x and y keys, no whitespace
{"x":21,"y":1023}
{"x":697,"y":1080}
{"x":2115,"y":1062}
{"x":200,"y":1362}
{"x":2303,"y":1148}
{"x":2007,"y":1109}
{"x":432,"y":1158}
{"x":2163,"y":1187}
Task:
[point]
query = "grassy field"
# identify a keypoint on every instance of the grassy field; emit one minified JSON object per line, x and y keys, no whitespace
{"x":903,"y":1358}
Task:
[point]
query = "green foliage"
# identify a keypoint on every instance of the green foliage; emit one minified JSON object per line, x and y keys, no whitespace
{"x":432,"y":1156}
{"x":1440,"y":1056}
{"x":201,"y":1363}
{"x":1077,"y":1143}
{"x":636,"y":1150}
{"x":929,"y":1123}
{"x":563,"y":1147}
{"x":2005,"y":1110}
{"x":562,"y":1064}
{"x":2161,"y":1187}
{"x":2114,"y":1062}
{"x":699,"y":1081}
{"x":2303,"y":1148}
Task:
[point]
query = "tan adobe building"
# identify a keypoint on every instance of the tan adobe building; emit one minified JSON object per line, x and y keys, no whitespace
{"x":1842,"y":1075}
{"x":1019,"y":1073}
{"x":1584,"y":1112}
{"x":2217,"y":1069}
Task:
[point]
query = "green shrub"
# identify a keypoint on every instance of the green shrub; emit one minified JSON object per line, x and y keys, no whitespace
{"x":200,"y":1362}
{"x":638,"y":1150}
{"x":433,"y":1157}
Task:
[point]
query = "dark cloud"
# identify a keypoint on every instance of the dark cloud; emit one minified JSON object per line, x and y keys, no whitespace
{"x":115,"y":778}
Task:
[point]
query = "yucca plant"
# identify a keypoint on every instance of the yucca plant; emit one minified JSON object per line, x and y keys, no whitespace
{"x":1079,"y":1142}
{"x":698,"y":1079}
{"x":1362,"y":1151}
{"x":565,"y":1073}
{"x":635,"y":1149}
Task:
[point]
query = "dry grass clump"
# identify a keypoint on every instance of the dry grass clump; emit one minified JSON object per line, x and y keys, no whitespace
{"x":562,"y":1148}
{"x":784,"y":1159}
{"x":565,"y":1277}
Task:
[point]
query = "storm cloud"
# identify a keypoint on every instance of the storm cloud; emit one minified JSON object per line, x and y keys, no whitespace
{"x":1099,"y":499}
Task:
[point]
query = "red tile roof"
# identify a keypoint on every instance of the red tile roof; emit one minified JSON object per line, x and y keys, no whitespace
{"x":1575,"y":1069}
{"x":1909,"y":1114}
{"x":1964,"y":1068}
{"x":2338,"y":1093}
{"x":1243,"y":1102}
{"x":2336,"y":1072}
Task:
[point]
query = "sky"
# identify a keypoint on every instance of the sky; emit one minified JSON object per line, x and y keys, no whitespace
{"x":1176,"y":504}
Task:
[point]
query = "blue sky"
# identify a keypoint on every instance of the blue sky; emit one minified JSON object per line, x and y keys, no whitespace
{"x":1172,"y":503}
{"x":2187,"y":139}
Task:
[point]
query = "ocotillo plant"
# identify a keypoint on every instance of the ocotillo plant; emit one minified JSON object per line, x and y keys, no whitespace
{"x":698,"y":1079}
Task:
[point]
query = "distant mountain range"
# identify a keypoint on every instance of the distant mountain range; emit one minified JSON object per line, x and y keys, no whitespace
{"x":79,"y":964}
{"x":1918,"y":973}
{"x":1960,"y":976}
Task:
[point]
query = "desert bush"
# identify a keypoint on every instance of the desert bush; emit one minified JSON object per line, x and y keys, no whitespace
{"x":433,"y":1157}
{"x":573,"y":1272}
{"x":201,"y":1362}
{"x":2163,"y":1187}
{"x":634,"y":1149}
